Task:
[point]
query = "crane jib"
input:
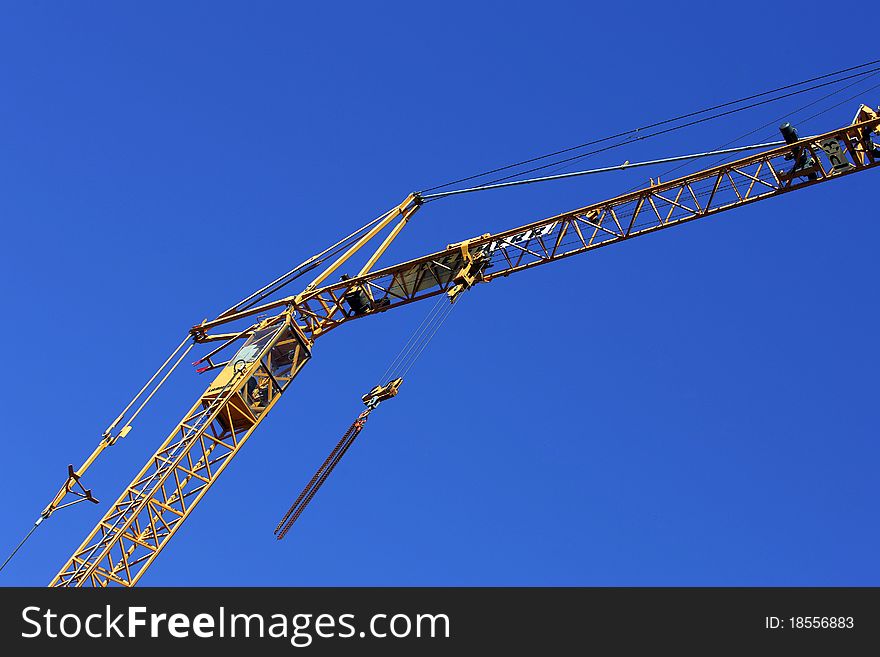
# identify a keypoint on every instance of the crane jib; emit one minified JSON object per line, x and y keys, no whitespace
{"x":151,"y":509}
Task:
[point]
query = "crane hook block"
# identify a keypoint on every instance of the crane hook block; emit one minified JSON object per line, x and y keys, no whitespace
{"x":380,"y":393}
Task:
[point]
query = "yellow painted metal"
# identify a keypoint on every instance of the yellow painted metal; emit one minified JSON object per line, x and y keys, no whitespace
{"x":408,"y":204}
{"x":468,"y":273}
{"x":151,"y":509}
{"x":72,"y":479}
{"x":593,"y":226}
{"x":382,"y":392}
{"x":865,"y":113}
{"x":703,"y":194}
{"x":407,"y":214}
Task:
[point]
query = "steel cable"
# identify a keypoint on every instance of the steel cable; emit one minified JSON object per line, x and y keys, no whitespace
{"x":635,"y":131}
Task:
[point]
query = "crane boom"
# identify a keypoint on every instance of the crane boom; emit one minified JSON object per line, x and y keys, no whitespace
{"x":660,"y":205}
{"x":151,"y":509}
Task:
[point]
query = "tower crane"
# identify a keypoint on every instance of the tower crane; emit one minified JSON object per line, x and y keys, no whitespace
{"x":259,"y":346}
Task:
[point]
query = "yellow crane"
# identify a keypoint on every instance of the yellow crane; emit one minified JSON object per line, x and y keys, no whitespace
{"x":267,"y":355}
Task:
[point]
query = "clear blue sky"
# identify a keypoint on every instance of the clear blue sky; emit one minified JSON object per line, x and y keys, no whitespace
{"x":697,"y":407}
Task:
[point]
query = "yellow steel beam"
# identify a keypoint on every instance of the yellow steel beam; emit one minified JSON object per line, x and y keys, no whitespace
{"x":322,"y":309}
{"x":151,"y":509}
{"x":391,"y":216}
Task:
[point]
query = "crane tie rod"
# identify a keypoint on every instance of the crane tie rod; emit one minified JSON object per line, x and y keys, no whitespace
{"x":588,"y":172}
{"x":18,"y":547}
{"x":107,"y":439}
{"x":634,"y":135}
{"x":321,"y":475}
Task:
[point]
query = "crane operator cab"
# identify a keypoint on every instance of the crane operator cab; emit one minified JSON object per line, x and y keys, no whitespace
{"x":257,"y":392}
{"x":258,"y":373}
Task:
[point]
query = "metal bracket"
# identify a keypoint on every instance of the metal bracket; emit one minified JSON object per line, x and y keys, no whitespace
{"x":83,"y":494}
{"x":866,"y":113}
{"x":470,"y":272}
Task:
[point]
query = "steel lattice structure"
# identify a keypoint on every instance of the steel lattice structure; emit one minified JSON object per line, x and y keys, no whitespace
{"x":153,"y":506}
{"x":661,"y":205}
{"x":151,"y":509}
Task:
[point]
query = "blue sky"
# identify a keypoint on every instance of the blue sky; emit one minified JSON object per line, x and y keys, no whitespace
{"x":697,"y":407}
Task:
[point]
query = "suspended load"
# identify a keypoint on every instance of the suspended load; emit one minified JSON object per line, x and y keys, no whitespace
{"x":371,"y":400}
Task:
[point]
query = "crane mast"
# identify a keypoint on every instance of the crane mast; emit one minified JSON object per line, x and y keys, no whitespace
{"x":272,"y":351}
{"x":153,"y":506}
